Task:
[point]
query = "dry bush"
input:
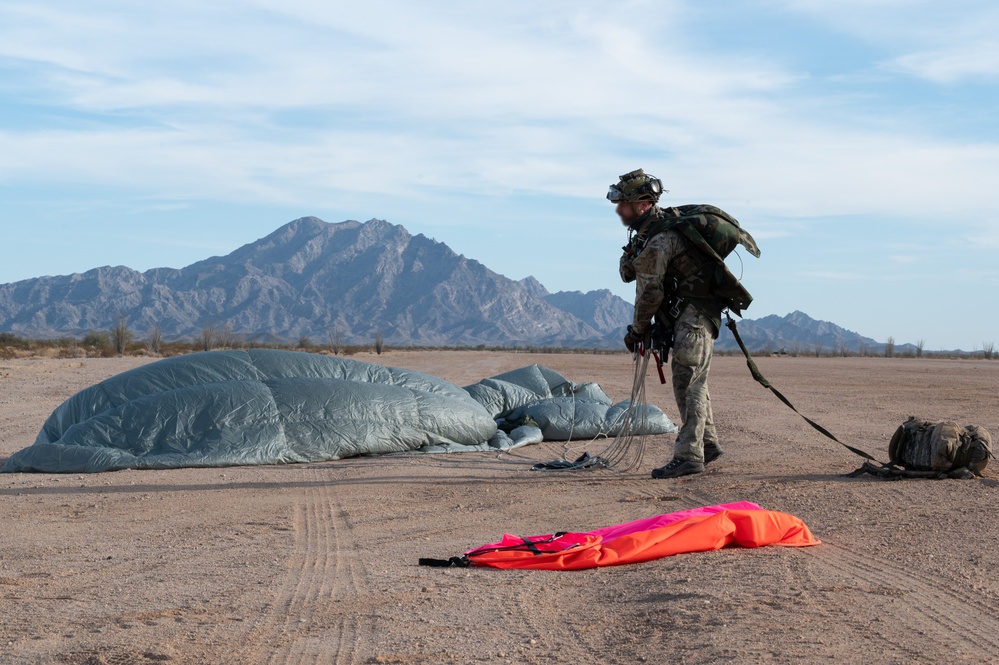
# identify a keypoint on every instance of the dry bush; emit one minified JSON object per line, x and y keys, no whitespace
{"x":121,"y":336}
{"x":154,"y":341}
{"x":335,"y":340}
{"x":97,"y":344}
{"x":208,"y":339}
{"x":69,"y":348}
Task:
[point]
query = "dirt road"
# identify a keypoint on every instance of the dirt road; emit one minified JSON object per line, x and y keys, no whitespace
{"x":317,"y":563}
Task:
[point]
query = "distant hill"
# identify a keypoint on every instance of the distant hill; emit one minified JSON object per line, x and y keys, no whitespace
{"x":799,"y":333}
{"x":314,"y":279}
{"x":354,"y":280}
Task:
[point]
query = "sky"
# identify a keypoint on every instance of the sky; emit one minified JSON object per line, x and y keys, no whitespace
{"x":858,"y":141}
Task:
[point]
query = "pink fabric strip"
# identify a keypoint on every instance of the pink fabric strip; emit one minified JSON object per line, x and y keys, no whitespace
{"x":609,"y":533}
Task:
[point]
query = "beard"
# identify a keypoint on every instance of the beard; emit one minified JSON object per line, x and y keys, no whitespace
{"x":630,"y":217}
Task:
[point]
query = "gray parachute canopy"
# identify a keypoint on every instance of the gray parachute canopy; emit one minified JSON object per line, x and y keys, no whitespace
{"x":227,"y":408}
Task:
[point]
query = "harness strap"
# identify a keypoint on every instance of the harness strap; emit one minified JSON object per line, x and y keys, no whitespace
{"x":453,"y":562}
{"x":584,"y":461}
{"x":892,"y":471}
{"x":755,"y":371}
{"x":659,"y":366}
{"x":531,"y":546}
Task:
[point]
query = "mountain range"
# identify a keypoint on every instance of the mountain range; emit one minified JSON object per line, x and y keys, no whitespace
{"x":352,"y":281}
{"x":799,"y":333}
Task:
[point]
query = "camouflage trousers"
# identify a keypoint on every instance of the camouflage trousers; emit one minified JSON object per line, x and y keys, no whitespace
{"x":693,"y":348}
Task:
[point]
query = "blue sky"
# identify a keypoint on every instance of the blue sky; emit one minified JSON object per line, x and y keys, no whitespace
{"x":857,"y":141}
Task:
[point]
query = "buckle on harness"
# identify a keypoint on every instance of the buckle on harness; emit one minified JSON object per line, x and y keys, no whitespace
{"x":674,"y":311}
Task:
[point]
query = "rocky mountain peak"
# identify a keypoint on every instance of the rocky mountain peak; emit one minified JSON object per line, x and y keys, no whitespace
{"x":309,"y":278}
{"x":315,"y":279}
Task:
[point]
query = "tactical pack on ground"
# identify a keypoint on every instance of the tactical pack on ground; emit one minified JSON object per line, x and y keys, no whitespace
{"x":924,"y":449}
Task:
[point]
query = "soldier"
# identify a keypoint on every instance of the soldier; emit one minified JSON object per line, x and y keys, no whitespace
{"x":668,"y":272}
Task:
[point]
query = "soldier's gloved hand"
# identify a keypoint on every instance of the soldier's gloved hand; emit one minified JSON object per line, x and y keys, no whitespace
{"x":633,"y":339}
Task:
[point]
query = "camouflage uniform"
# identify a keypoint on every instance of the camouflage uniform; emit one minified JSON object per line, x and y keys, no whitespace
{"x":665,"y":255}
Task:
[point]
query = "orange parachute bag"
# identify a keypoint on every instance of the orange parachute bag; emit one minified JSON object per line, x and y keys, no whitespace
{"x":742,"y":524}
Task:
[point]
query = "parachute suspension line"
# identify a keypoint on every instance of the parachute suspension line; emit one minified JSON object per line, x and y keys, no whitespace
{"x":627,"y":450}
{"x":565,"y":449}
{"x":742,"y":266}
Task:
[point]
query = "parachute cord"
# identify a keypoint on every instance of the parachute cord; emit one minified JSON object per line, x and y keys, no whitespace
{"x":568,"y":441}
{"x":742,"y":266}
{"x":627,"y":450}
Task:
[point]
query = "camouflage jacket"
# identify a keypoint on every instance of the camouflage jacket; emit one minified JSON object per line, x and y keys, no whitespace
{"x":655,"y":257}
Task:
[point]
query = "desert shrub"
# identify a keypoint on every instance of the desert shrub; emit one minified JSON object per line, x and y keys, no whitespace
{"x":121,"y":336}
{"x":97,"y":343}
{"x":335,"y":340}
{"x":14,"y":342}
{"x":227,"y":338}
{"x":69,"y":347}
{"x":208,"y":339}
{"x":154,"y":340}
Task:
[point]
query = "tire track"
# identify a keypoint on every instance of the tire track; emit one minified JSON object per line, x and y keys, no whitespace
{"x":349,"y":580}
{"x":959,"y":621}
{"x":938,"y":610}
{"x":312,"y":618}
{"x":940,"y":613}
{"x":311,"y":567}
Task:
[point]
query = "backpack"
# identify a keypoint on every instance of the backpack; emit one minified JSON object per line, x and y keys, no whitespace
{"x":717,"y":228}
{"x":922,"y":449}
{"x":944,"y":448}
{"x":714,"y":233}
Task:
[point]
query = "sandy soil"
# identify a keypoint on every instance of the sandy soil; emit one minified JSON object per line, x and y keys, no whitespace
{"x":317,"y":563}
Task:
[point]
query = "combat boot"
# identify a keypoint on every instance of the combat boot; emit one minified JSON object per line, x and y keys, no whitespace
{"x":677,"y":467}
{"x":711,"y":453}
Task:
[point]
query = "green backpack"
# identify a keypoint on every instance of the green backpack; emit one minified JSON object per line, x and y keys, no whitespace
{"x":715,"y":228}
{"x":715,"y":234}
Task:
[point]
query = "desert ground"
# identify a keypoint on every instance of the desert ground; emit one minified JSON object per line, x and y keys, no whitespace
{"x":317,"y":563}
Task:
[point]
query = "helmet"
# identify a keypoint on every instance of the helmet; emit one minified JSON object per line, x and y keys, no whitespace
{"x":635,"y":186}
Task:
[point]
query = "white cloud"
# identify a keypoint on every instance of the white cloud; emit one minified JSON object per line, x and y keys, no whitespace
{"x":953,"y":63}
{"x":426,"y":101}
{"x":941,"y":42}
